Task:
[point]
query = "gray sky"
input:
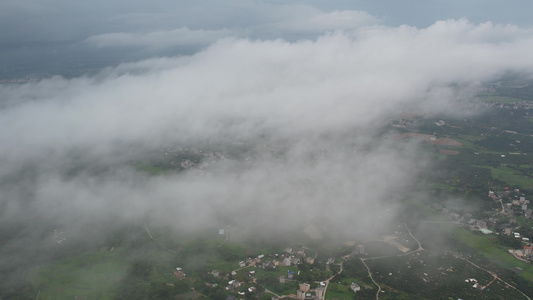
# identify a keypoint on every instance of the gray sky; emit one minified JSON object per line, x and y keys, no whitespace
{"x":56,"y":20}
{"x":53,"y":35}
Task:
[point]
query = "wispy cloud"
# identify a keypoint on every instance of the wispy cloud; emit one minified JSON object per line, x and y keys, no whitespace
{"x":159,"y":39}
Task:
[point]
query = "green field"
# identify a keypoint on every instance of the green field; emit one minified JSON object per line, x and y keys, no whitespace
{"x":511,"y":176}
{"x":93,"y":275}
{"x":492,"y":251}
{"x":339,"y":291}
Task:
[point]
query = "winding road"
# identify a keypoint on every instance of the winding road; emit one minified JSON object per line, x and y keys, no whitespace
{"x":420,"y":248}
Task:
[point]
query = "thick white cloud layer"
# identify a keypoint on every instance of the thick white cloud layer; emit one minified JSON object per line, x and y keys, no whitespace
{"x":311,"y":109}
{"x":338,"y":81}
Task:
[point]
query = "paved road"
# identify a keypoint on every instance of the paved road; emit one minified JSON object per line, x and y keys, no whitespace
{"x":226,"y":233}
{"x":420,"y":248}
{"x":327,"y":280}
{"x":494,"y":275}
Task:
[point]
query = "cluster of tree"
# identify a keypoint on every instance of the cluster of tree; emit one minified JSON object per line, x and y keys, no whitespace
{"x":311,"y":272}
{"x":509,"y":241}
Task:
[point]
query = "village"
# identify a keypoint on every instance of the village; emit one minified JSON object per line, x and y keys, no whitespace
{"x":245,"y":282}
{"x":514,"y":206}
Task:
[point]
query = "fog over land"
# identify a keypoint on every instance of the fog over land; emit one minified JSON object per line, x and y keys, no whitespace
{"x":307,"y":114}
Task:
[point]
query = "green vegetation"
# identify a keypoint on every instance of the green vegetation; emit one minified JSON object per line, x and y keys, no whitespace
{"x":492,"y":250}
{"x":339,"y":291}
{"x":92,"y":275}
{"x":512,"y":176}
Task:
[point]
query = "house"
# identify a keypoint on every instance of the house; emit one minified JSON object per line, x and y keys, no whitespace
{"x":249,"y":273}
{"x":290,"y":275}
{"x":234,"y":284}
{"x":305,"y":287}
{"x":295,"y":260}
{"x":282,"y":279}
{"x":481,"y":224}
{"x":242,"y":264}
{"x":287,"y":261}
{"x":359,"y":249}
{"x":319,"y":292}
{"x":355,"y":287}
{"x":179,"y":274}
{"x":267,"y":265}
{"x":485,"y":231}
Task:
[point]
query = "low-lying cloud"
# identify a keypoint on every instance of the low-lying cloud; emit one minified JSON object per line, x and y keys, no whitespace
{"x":159,"y":39}
{"x":297,"y":128}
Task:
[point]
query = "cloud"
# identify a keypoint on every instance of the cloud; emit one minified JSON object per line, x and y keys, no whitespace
{"x":283,"y":134}
{"x":159,"y":39}
{"x":338,"y":81}
{"x":241,"y":88}
{"x":312,"y":23}
{"x":320,"y":22}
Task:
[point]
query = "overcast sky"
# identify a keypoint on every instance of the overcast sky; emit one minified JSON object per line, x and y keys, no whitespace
{"x":53,"y":36}
{"x":57,"y":20}
{"x":308,"y":86}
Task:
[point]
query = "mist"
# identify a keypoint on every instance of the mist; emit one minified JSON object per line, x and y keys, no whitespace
{"x":308,"y":111}
{"x":284,"y":133}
